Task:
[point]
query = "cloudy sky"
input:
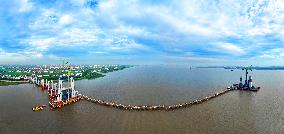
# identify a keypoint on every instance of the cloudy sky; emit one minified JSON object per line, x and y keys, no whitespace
{"x":191,"y":32}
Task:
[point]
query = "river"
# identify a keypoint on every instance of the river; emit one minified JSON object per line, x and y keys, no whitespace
{"x":235,"y":112}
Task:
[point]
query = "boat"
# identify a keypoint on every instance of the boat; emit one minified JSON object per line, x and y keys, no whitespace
{"x":37,"y":108}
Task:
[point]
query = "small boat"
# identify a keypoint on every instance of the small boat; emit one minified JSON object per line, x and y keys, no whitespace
{"x":37,"y":108}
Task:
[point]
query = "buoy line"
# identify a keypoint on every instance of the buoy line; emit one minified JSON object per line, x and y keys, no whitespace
{"x":153,"y":107}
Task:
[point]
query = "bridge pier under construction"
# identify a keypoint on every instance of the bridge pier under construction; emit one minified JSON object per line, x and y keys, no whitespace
{"x":58,"y":95}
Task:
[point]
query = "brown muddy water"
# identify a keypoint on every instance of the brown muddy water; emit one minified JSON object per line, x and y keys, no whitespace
{"x":233,"y":113}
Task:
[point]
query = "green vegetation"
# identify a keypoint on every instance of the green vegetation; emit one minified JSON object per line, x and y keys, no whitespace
{"x":13,"y":75}
{"x":90,"y":74}
{"x":6,"y":83}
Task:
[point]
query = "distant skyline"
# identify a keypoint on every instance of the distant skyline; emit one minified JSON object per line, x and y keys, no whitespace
{"x":189,"y":32}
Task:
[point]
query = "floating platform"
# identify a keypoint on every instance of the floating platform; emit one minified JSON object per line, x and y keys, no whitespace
{"x":59,"y":104}
{"x":58,"y":95}
{"x":237,"y":87}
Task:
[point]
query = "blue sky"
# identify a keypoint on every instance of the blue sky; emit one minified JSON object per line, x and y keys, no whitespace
{"x":191,"y":32}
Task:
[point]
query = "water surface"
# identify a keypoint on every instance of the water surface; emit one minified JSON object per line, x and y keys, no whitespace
{"x":234,"y":112}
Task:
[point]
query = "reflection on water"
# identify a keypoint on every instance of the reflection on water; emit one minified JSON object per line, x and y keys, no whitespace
{"x":234,"y":112}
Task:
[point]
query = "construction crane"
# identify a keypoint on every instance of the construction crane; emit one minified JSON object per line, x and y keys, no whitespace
{"x":248,"y":82}
{"x":67,"y":65}
{"x":68,"y":68}
{"x":247,"y":69}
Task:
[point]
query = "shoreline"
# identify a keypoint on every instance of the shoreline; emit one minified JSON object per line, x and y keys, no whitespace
{"x":8,"y":83}
{"x":12,"y":82}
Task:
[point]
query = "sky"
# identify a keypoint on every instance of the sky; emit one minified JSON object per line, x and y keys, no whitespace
{"x":187,"y":32}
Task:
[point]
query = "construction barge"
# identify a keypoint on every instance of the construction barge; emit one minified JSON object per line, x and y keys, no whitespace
{"x":247,"y":85}
{"x":58,"y":95}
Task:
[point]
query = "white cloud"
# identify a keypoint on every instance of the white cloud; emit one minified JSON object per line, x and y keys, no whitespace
{"x":132,"y":31}
{"x":259,"y":31}
{"x":122,"y":43}
{"x":38,"y":55}
{"x":54,"y":57}
{"x":108,"y":5}
{"x":25,"y":6}
{"x":229,"y":48}
{"x":11,"y":57}
{"x":198,"y":59}
{"x":21,"y":57}
{"x":45,"y":21}
{"x":183,"y":25}
{"x":275,"y":53}
{"x":79,"y":36}
{"x":220,"y":19}
{"x":65,"y":19}
{"x":125,"y":25}
{"x":39,"y":43}
{"x":78,"y":2}
{"x":184,"y":17}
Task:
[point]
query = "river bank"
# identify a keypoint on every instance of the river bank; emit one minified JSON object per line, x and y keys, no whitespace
{"x":7,"y":82}
{"x":8,"y":75}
